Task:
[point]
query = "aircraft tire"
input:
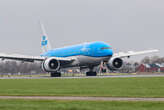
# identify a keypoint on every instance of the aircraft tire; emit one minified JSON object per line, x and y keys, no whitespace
{"x":55,"y":74}
{"x":91,"y":73}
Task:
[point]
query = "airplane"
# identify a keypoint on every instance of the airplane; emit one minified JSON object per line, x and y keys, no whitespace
{"x":85,"y":55}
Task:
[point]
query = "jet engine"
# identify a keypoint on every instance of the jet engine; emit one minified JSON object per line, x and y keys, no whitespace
{"x":51,"y":65}
{"x":115,"y":63}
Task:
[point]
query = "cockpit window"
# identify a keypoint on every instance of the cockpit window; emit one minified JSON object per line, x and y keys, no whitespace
{"x":103,"y":48}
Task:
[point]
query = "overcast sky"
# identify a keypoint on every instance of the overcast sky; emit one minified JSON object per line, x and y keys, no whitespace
{"x":124,"y":24}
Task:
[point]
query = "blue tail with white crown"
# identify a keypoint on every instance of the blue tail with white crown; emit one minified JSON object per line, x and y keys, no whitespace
{"x":45,"y":43}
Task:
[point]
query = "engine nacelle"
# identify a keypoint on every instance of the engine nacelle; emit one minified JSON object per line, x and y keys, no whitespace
{"x":51,"y":65}
{"x":115,"y":63}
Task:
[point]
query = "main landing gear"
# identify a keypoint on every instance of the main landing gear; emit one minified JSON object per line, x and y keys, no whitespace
{"x":91,"y":72}
{"x":55,"y":74}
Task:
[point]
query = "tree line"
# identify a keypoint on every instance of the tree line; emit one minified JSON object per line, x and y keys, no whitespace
{"x":15,"y":67}
{"x":153,"y":60}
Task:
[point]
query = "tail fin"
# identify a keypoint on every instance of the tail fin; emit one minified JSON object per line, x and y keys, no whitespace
{"x":45,"y":43}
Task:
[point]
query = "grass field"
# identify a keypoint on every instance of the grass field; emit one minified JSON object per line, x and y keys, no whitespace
{"x":115,"y":87}
{"x":78,"y":105}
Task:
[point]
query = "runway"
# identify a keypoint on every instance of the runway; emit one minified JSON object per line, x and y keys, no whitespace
{"x":83,"y":98}
{"x":68,"y":77}
{"x":80,"y":98}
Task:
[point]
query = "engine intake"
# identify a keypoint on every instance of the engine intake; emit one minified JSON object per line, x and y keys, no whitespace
{"x":115,"y":63}
{"x":51,"y":65}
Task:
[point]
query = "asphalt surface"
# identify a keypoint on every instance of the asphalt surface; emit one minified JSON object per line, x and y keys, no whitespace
{"x":81,"y":98}
{"x":109,"y":76}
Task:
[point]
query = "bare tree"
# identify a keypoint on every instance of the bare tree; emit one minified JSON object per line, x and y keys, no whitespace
{"x":146,"y":60}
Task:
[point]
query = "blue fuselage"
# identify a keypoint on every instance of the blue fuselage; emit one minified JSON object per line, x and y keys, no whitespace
{"x":93,"y":49}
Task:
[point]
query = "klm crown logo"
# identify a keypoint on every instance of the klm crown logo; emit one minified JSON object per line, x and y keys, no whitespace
{"x":44,"y":41}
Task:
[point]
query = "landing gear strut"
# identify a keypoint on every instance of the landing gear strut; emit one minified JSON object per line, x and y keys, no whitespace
{"x":55,"y":74}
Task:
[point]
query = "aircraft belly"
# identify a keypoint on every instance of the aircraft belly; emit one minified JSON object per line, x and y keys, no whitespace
{"x":86,"y":60}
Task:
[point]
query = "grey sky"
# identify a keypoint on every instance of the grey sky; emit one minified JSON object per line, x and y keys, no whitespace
{"x":125,"y":24}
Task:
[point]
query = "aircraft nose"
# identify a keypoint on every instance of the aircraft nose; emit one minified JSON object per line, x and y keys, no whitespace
{"x":109,"y":52}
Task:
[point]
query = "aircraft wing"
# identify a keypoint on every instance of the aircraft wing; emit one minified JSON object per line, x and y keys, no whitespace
{"x":132,"y":53}
{"x":28,"y":58}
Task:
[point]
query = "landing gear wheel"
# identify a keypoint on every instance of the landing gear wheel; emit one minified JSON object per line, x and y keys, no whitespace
{"x":91,"y":73}
{"x":56,"y":74}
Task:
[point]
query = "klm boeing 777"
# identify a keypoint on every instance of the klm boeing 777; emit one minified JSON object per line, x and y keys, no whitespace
{"x":86,"y":55}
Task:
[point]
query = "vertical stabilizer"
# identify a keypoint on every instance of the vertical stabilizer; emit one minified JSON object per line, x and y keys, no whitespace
{"x":45,"y":43}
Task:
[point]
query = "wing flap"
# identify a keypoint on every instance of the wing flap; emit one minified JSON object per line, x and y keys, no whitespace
{"x":21,"y":57}
{"x":29,"y":58}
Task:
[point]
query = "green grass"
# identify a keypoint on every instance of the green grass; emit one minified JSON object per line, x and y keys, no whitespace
{"x":78,"y":105}
{"x":115,"y":87}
